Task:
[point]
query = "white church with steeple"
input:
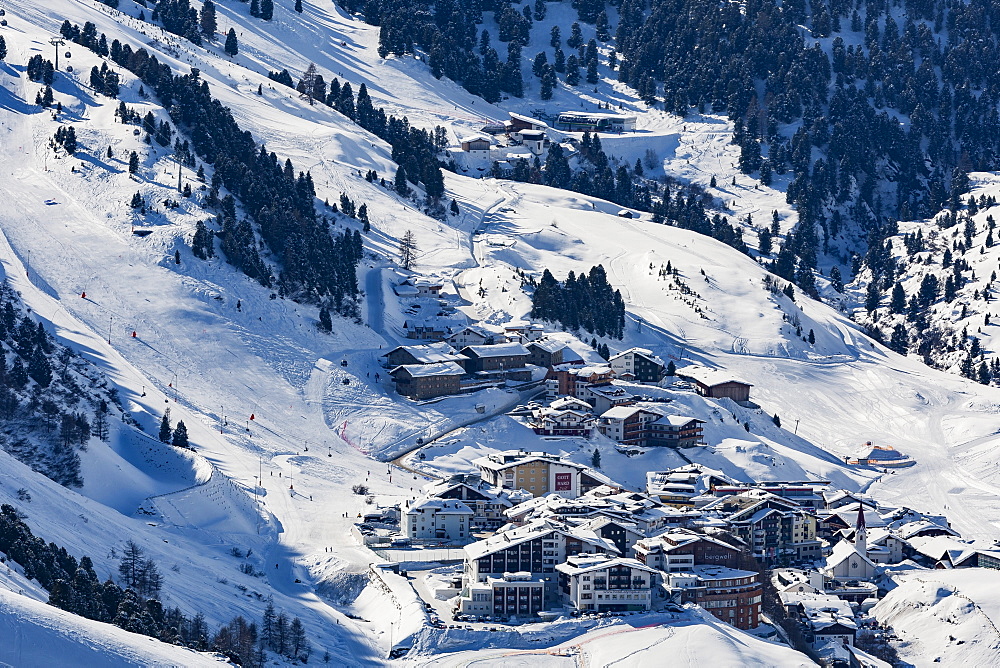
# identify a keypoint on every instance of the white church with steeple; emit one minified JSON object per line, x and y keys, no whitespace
{"x":849,"y":561}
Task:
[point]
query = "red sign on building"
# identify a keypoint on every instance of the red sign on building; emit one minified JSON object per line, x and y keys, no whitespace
{"x":564,"y":482}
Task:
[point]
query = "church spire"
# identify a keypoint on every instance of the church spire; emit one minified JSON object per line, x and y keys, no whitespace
{"x":860,"y":532}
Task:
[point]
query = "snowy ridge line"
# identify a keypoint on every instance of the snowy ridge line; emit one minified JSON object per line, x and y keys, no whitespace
{"x":415,"y":619}
{"x":376,"y":578}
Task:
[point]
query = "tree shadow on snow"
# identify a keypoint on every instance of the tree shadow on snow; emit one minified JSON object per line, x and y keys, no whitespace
{"x":97,"y":162}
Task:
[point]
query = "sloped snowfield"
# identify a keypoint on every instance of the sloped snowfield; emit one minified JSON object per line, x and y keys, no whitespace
{"x":37,"y":635}
{"x":945,"y":617}
{"x":214,"y":347}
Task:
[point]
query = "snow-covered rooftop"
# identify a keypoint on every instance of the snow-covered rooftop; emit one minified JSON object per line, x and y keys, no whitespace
{"x":620,"y":412}
{"x":532,"y":530}
{"x":586,"y":563}
{"x":438,"y":506}
{"x":548,"y":345}
{"x":475,"y":137}
{"x":498,"y":350}
{"x":644,"y":352}
{"x":429,"y":353}
{"x":428,"y":370}
{"x":528,"y":119}
{"x":709,"y":376}
{"x":676,"y":420}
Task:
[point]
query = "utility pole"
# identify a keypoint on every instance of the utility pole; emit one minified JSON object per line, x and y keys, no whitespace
{"x":796,"y":432}
{"x":57,"y":42}
{"x":110,"y":322}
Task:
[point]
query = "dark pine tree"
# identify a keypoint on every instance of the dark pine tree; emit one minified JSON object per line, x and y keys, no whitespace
{"x":180,"y":437}
{"x":325,"y":321}
{"x":400,"y":183}
{"x":232,"y":45}
{"x":207,"y":20}
{"x":166,"y":432}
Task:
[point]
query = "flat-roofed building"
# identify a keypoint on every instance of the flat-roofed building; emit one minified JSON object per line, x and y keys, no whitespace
{"x":518,"y":595}
{"x":731,"y":594}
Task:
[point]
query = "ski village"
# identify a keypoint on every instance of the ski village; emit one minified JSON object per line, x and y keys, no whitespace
{"x":558,"y":333}
{"x":537,"y":531}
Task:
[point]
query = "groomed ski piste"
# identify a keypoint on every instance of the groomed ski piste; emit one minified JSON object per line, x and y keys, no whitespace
{"x":280,"y":484}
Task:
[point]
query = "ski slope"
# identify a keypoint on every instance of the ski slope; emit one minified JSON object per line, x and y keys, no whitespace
{"x":280,"y":483}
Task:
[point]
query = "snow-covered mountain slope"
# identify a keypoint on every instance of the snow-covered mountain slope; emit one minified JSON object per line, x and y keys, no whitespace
{"x":838,"y":393}
{"x":216,"y":348}
{"x":928,"y":256}
{"x":945,"y":618}
{"x":37,"y":635}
